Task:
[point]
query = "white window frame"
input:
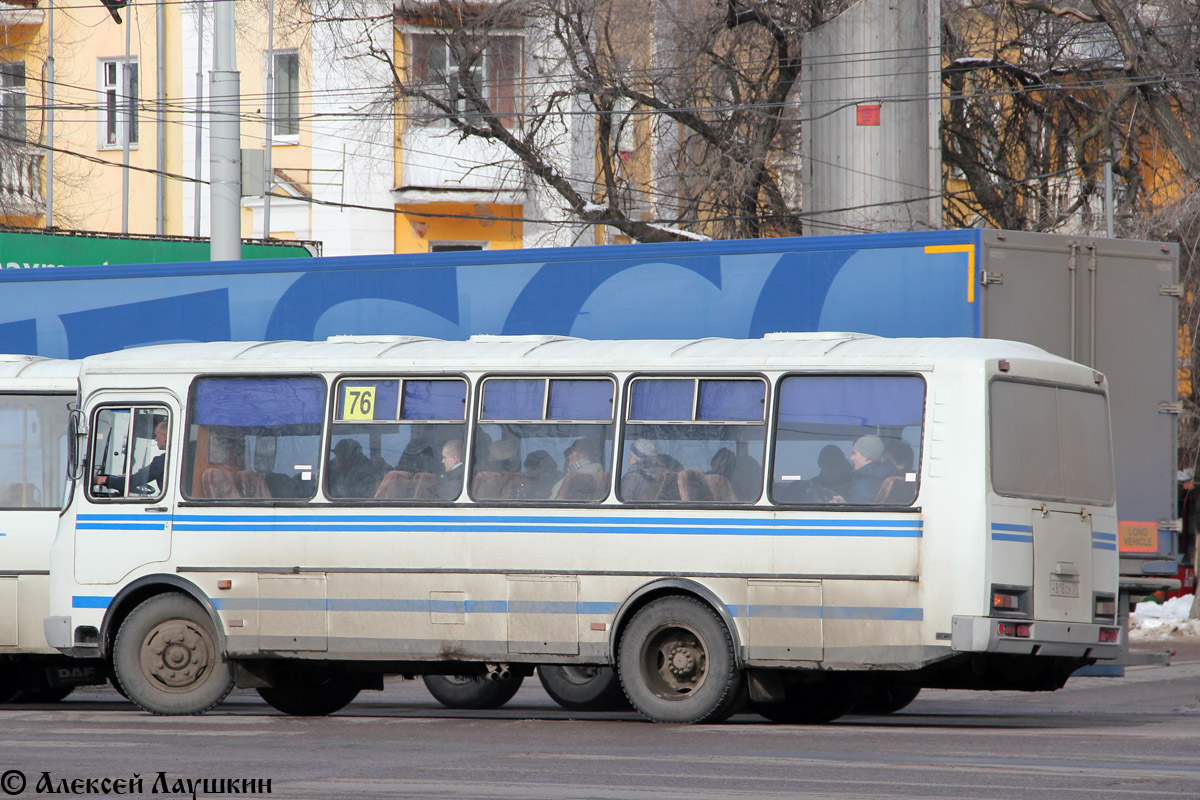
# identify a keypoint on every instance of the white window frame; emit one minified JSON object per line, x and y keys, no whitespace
{"x":271,"y":59}
{"x":12,"y":95}
{"x":433,"y":118}
{"x":110,"y":94}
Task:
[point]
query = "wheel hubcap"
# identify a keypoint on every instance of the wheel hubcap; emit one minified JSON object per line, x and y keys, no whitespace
{"x":177,"y":655}
{"x":674,"y":662}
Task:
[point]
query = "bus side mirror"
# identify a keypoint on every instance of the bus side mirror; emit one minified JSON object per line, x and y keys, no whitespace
{"x":76,"y":436}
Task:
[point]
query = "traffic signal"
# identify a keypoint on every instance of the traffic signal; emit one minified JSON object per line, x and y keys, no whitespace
{"x":113,"y":7}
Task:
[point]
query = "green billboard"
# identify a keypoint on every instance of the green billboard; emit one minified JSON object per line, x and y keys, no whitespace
{"x":36,"y":249}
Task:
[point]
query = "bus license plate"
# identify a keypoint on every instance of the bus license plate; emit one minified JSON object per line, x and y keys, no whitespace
{"x":1064,"y":588}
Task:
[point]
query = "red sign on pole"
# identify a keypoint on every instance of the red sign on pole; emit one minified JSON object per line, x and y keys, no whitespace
{"x":867,"y":115}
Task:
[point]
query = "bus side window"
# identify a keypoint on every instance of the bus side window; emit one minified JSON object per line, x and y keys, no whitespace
{"x":694,"y":440}
{"x":129,"y":453}
{"x":253,"y":438}
{"x":544,"y":439}
{"x":848,"y":439}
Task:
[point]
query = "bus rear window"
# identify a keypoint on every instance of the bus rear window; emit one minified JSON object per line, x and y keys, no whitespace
{"x":1050,"y":442}
{"x":254,"y":438}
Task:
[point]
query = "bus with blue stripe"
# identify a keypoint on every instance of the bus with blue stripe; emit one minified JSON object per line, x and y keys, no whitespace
{"x":801,"y":524}
{"x":35,"y":395}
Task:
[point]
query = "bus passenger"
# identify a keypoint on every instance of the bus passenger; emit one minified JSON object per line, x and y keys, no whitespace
{"x":351,"y":473}
{"x":417,"y":456}
{"x":743,"y":472}
{"x":151,"y":473}
{"x":899,"y":454}
{"x":543,"y":475}
{"x":645,"y":465}
{"x":835,"y":470}
{"x":583,"y":456}
{"x":449,"y":485}
{"x":870,"y":469}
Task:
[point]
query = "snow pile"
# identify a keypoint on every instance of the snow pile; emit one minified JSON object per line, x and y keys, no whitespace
{"x":1167,"y":620}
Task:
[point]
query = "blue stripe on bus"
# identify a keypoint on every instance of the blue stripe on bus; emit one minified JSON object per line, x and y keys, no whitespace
{"x":765,"y":531}
{"x":1004,"y":526}
{"x":907,"y":529}
{"x":1104,"y":537}
{"x":121,"y":526}
{"x":1012,"y":537}
{"x":89,"y":601}
{"x":1103,"y":546}
{"x":512,"y":520}
{"x":421,"y":605}
{"x":828,"y":612}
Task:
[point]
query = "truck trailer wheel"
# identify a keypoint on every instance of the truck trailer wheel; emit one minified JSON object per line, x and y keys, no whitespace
{"x":166,"y":657}
{"x":676,"y":663}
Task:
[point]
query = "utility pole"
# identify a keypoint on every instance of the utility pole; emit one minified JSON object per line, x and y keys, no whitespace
{"x":225,"y":140}
{"x":49,"y":116}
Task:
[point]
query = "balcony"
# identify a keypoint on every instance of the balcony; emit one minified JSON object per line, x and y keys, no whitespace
{"x":21,"y":192}
{"x":440,"y":166}
{"x":18,"y":15}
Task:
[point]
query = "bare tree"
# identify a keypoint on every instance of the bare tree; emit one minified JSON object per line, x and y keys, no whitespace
{"x":1040,"y":95}
{"x":662,"y":120}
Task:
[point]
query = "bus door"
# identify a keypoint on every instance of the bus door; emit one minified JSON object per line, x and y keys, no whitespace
{"x":125,"y":514}
{"x":1062,"y":565}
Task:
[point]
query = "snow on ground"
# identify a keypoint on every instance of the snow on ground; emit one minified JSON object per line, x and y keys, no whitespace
{"x":1167,"y":620}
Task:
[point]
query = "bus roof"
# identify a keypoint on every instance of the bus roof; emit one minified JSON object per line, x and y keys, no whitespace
{"x":345,"y":353}
{"x":22,"y":372}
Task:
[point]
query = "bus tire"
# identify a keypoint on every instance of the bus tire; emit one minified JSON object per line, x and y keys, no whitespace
{"x":808,"y":703}
{"x":311,"y":693}
{"x":167,"y":660}
{"x":583,"y":687}
{"x":44,"y":694}
{"x":886,"y":699}
{"x":676,"y":663}
{"x":472,"y":691}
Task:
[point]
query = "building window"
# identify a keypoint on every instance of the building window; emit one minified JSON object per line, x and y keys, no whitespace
{"x":12,"y":99}
{"x":435,"y":72}
{"x":119,"y":102}
{"x":285,"y":111}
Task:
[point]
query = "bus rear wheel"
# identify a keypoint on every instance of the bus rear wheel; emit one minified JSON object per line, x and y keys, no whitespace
{"x":582,"y":687}
{"x":311,"y":692}
{"x":676,"y":663}
{"x":472,"y":691}
{"x":808,"y":703}
{"x":886,"y":699}
{"x":167,"y":660}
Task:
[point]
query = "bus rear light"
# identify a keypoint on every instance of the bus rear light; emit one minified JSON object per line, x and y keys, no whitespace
{"x":1005,"y":602}
{"x":1109,"y":634}
{"x":1009,"y":601}
{"x":1021,"y":630}
{"x":1106,"y":606}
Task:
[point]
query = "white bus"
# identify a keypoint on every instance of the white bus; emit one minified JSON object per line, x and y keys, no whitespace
{"x":35,"y":396}
{"x":803,"y":522}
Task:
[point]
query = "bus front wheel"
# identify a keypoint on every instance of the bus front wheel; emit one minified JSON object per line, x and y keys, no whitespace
{"x":167,"y":660}
{"x":676,"y":663}
{"x":472,"y":691}
{"x":580,"y":687}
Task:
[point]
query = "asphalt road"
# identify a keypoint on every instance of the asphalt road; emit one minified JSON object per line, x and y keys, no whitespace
{"x":1098,"y":738}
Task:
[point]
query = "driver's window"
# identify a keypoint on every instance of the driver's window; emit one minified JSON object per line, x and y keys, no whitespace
{"x":129,"y":453}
